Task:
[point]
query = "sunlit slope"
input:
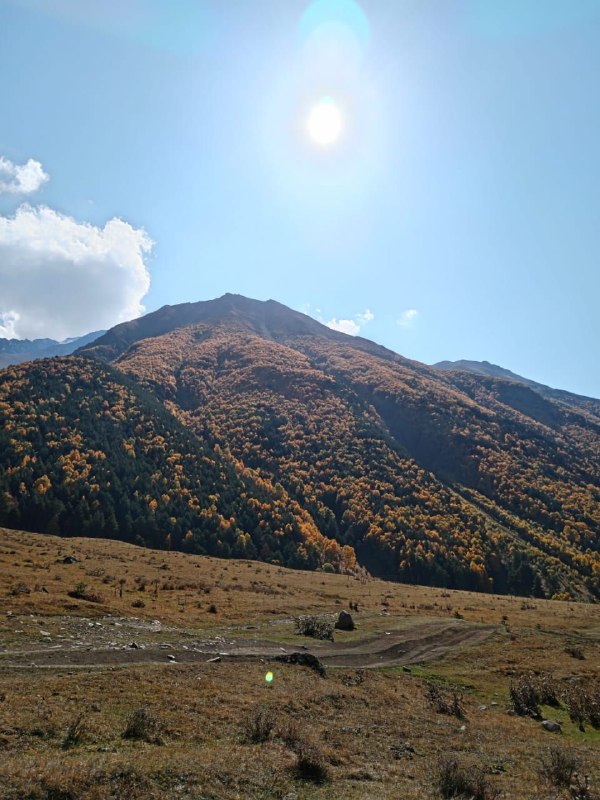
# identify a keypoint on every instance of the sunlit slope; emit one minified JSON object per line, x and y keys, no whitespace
{"x":429,"y":478}
{"x":83,"y":451}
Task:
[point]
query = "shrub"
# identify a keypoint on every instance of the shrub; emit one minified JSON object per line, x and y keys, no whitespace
{"x":443,"y":704}
{"x":80,"y":592}
{"x":314,"y":627}
{"x":258,"y":727}
{"x":310,"y":761}
{"x":143,"y":726}
{"x":212,"y":609}
{"x":583,"y":705}
{"x":575,"y":652}
{"x":74,"y":734}
{"x":547,"y":691}
{"x":456,"y":780}
{"x":524,"y":697}
{"x":138,"y":603}
{"x":310,"y":764}
{"x":20,"y":588}
{"x":559,"y":766}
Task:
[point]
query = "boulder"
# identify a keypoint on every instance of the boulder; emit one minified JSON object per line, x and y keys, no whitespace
{"x":551,"y":726}
{"x":303,"y":660}
{"x":344,"y":621}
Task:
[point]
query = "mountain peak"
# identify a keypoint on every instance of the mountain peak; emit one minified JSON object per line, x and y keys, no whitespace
{"x":267,"y":318}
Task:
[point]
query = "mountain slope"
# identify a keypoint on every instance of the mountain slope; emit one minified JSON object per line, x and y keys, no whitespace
{"x":450,"y":478}
{"x":484,"y":368}
{"x":16,"y":351}
{"x":83,"y":451}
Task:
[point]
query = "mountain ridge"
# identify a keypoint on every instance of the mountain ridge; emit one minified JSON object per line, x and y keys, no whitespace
{"x":16,"y":351}
{"x":447,"y":478}
{"x":485,"y":368}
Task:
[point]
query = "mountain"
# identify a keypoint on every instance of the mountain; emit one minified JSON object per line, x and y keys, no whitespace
{"x":84,"y":451}
{"x":446,"y":478}
{"x":494,"y":371}
{"x":15,"y":351}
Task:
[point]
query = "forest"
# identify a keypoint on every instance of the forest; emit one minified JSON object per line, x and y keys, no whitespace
{"x":252,"y":433}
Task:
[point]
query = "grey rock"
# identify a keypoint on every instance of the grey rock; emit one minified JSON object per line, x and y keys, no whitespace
{"x":303,"y":660}
{"x":344,"y":621}
{"x":551,"y":726}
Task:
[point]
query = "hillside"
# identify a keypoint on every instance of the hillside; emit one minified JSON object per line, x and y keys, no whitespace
{"x":451,"y":479}
{"x":189,"y":639}
{"x":484,"y":368}
{"x":427,"y":480}
{"x":85,"y":452}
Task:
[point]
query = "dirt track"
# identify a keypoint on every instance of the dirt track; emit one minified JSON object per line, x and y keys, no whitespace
{"x":96,"y":645}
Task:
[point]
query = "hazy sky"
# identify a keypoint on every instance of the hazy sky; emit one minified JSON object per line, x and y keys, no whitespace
{"x":156,"y":151}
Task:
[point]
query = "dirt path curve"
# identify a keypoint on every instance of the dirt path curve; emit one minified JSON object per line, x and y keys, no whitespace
{"x":424,"y":642}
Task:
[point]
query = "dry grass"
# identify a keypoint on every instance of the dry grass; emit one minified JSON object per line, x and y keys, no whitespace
{"x":353,"y":734}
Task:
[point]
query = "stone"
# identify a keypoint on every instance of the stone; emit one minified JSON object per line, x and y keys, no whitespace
{"x":551,"y":726}
{"x":303,"y":660}
{"x":344,"y":621}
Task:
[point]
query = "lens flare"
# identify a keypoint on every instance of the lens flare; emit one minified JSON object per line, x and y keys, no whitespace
{"x":269,"y":678}
{"x":325,"y":122}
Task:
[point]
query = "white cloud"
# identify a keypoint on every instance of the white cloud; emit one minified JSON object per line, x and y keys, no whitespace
{"x":408,"y":318}
{"x":366,"y":317}
{"x":351,"y":326}
{"x":344,"y":326}
{"x":24,"y":179}
{"x":62,"y":278}
{"x":8,"y":321}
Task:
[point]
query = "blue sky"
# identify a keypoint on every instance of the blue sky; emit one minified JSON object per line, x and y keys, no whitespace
{"x":457,"y":216}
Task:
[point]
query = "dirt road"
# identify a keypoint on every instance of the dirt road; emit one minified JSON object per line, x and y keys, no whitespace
{"x":81,"y":643}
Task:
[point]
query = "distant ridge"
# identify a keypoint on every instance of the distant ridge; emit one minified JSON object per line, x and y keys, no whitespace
{"x":16,"y":351}
{"x":494,"y":371}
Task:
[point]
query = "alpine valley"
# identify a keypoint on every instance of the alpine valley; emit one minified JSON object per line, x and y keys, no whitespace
{"x":239,"y":428}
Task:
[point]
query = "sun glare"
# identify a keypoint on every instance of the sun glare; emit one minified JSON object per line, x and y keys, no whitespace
{"x":325,"y":122}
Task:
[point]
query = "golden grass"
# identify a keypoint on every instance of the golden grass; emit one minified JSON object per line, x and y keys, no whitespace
{"x":359,"y":720}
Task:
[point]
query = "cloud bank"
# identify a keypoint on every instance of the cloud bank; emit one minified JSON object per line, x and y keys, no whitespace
{"x":351,"y":326}
{"x":62,"y":278}
{"x":25,"y":179}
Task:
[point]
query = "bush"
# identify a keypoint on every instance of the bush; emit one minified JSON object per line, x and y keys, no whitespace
{"x":74,"y":734}
{"x":143,"y":726}
{"x":259,"y":726}
{"x":80,"y":592}
{"x":138,"y":603}
{"x":547,"y":691}
{"x":310,"y":761}
{"x":442,"y":703}
{"x":456,"y":780}
{"x":524,"y":697}
{"x":583,"y":705}
{"x":314,"y":627}
{"x":20,"y":588}
{"x":575,"y":652}
{"x":310,"y":764}
{"x":559,"y":766}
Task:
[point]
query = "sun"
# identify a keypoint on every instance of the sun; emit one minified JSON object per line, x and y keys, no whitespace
{"x":325,"y":122}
